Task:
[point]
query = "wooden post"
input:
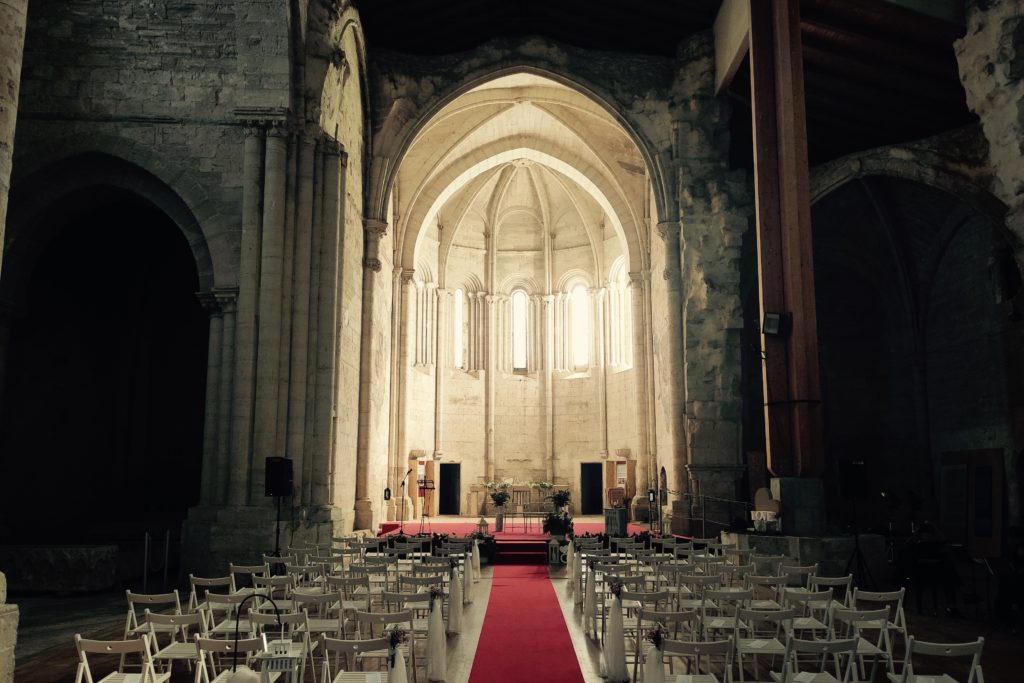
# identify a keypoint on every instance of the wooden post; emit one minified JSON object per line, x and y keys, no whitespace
{"x":792,"y":389}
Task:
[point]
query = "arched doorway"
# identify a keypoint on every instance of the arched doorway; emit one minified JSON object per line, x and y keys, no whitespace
{"x":102,"y":401}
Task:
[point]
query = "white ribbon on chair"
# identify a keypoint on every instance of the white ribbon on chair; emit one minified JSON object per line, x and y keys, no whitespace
{"x":467,"y":587}
{"x":569,"y":564}
{"x":654,"y":666}
{"x":590,"y":606}
{"x":437,"y":667}
{"x":455,"y":604}
{"x":243,"y":674}
{"x":396,"y":674}
{"x":577,"y":578}
{"x":476,"y":560}
{"x":615,"y":646}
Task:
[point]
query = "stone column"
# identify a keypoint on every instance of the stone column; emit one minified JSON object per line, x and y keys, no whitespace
{"x":317,"y":230}
{"x":328,"y":333}
{"x":441,"y":347}
{"x":397,"y":466}
{"x":245,"y":319}
{"x":404,"y":331}
{"x":300,"y":312}
{"x":639,"y":283}
{"x":491,"y":385}
{"x":284,"y":355}
{"x":375,"y":230}
{"x":600,"y":299}
{"x":226,"y":299}
{"x":271,"y":281}
{"x":669,"y":233}
{"x":8,"y":633}
{"x":214,"y":367}
{"x":547,"y":339}
{"x":12,"y":43}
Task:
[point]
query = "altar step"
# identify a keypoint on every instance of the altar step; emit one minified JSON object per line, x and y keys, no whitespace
{"x":521,"y":552}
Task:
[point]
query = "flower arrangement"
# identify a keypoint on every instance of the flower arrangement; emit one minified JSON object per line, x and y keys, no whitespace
{"x":655,"y":635}
{"x":557,"y":524}
{"x":616,"y":588}
{"x":560,"y":498}
{"x":500,"y":497}
{"x":542,"y":485}
{"x":435,"y":594}
{"x":396,"y":638}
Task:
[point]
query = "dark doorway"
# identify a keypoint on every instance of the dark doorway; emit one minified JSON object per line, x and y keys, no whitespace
{"x":591,"y":493}
{"x":450,"y":478}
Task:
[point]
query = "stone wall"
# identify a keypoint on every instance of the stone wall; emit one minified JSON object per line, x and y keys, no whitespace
{"x":8,"y":633}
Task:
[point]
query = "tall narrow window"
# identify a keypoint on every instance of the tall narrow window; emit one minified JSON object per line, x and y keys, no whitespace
{"x":520,"y":316}
{"x":458,"y":338}
{"x":580,"y":304}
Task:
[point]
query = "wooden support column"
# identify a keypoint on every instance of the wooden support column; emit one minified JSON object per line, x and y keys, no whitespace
{"x":785,"y":259}
{"x":245,"y":319}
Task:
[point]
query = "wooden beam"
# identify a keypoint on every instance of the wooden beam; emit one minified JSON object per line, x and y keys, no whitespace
{"x":790,"y":368}
{"x":732,"y":27}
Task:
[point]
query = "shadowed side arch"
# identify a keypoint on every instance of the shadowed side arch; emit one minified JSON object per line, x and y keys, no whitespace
{"x":405,"y":121}
{"x":442,"y":188}
{"x":42,"y":190}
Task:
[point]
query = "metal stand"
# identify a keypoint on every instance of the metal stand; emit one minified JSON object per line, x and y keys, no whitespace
{"x":401,"y":529}
{"x":424,"y":486}
{"x":862,"y":572}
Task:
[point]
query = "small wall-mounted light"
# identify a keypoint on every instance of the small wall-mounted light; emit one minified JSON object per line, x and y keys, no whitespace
{"x":776,"y":324}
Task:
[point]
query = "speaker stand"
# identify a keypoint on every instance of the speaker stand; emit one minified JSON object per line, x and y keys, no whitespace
{"x":862,"y":571}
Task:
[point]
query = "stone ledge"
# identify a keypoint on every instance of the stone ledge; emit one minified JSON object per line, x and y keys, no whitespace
{"x":65,"y":568}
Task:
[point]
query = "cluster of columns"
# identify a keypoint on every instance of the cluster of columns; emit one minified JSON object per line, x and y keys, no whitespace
{"x":272,"y":380}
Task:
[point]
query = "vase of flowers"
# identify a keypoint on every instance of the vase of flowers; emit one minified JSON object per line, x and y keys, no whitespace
{"x":558,"y":524}
{"x":560,"y":499}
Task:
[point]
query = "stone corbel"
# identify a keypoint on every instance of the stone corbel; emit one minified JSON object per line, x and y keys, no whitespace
{"x":208,"y":300}
{"x":375,"y":230}
{"x":226,"y":298}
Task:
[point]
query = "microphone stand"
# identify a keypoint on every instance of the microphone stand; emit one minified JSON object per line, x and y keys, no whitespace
{"x":401,"y":529}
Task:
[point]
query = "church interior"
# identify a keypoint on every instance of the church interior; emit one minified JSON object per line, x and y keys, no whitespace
{"x":680,"y":297}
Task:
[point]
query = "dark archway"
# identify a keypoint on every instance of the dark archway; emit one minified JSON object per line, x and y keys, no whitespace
{"x":101,"y":412}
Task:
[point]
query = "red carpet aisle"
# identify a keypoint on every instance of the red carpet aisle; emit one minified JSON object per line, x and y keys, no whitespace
{"x":524,"y":636}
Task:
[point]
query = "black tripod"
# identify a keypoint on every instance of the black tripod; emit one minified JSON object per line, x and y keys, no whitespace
{"x":857,"y":556}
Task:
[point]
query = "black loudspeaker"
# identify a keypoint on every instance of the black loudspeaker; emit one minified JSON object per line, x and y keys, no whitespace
{"x":853,"y":480}
{"x":278,"y":481}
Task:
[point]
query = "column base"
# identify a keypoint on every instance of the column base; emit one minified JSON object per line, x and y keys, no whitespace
{"x":364,"y":517}
{"x":803,"y":504}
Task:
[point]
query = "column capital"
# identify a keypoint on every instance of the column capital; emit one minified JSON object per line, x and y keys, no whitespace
{"x":226,"y":297}
{"x":639,"y":277}
{"x":278,"y":130}
{"x":373,"y":264}
{"x":208,"y":300}
{"x":668,"y":229}
{"x":330,"y":146}
{"x":407,"y":275}
{"x":375,"y":227}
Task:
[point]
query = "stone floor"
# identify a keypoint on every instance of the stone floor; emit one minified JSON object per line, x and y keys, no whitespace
{"x":45,"y":651}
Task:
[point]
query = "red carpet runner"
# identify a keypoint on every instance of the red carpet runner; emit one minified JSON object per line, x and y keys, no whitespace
{"x":524,"y":637}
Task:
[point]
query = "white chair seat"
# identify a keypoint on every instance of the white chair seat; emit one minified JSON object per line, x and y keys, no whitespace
{"x":764,"y":604}
{"x":865,"y":648}
{"x":132,"y":678}
{"x":698,"y":678}
{"x":808,"y":624}
{"x":808,"y":677}
{"x":361,"y":677}
{"x":922,"y":678}
{"x":760,"y":646}
{"x":228,"y":627}
{"x":178,"y":651}
{"x":225,"y":676}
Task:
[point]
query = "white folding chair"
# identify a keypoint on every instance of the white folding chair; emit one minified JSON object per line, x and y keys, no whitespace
{"x":222,"y":655}
{"x":919,"y":647}
{"x":345,"y":654}
{"x":819,"y":656}
{"x":123,"y":648}
{"x":291,"y":631}
{"x":180,"y":648}
{"x":702,"y":651}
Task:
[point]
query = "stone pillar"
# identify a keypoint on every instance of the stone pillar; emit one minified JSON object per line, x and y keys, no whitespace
{"x":300,"y":312}
{"x":317,"y":230}
{"x":548,"y":348}
{"x":403,"y":331}
{"x":489,"y":320}
{"x":328,"y":328}
{"x":12,"y":43}
{"x":245,"y":319}
{"x":226,"y":299}
{"x":375,"y":230}
{"x":441,"y":347}
{"x":8,"y":633}
{"x":600,"y":300}
{"x":271,"y":281}
{"x":214,"y":367}
{"x":991,"y":60}
{"x":639,"y":284}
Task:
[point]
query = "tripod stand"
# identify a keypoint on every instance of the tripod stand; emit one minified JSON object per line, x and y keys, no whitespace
{"x":401,"y":529}
{"x":862,"y":571}
{"x":424,"y":486}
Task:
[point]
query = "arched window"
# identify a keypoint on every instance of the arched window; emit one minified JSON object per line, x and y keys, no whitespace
{"x":579,"y":318}
{"x":458,"y":329}
{"x":520,"y":337}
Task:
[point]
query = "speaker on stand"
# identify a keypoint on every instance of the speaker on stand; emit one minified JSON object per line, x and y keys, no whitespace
{"x":853,"y":486}
{"x":277,"y":484}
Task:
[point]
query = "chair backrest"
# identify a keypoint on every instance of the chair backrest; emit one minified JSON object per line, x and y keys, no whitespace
{"x":225,"y":583}
{"x":207,"y":648}
{"x":919,"y":647}
{"x":285,"y":624}
{"x":802,"y":600}
{"x":842,"y":587}
{"x":747,"y":620}
{"x":398,"y":601}
{"x":421,"y":581}
{"x":698,"y":650}
{"x":893,"y":601}
{"x":771,"y":562}
{"x":181,"y":624}
{"x":347,"y":649}
{"x":366,"y":622}
{"x":675,"y":623}
{"x":150,"y":600}
{"x":839,"y":651}
{"x":799,"y":575}
{"x":140,"y":646}
{"x":653,"y":598}
{"x":316,"y":603}
{"x":248,"y":570}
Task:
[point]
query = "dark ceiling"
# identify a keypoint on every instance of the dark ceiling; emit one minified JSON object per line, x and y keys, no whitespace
{"x":875,"y":73}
